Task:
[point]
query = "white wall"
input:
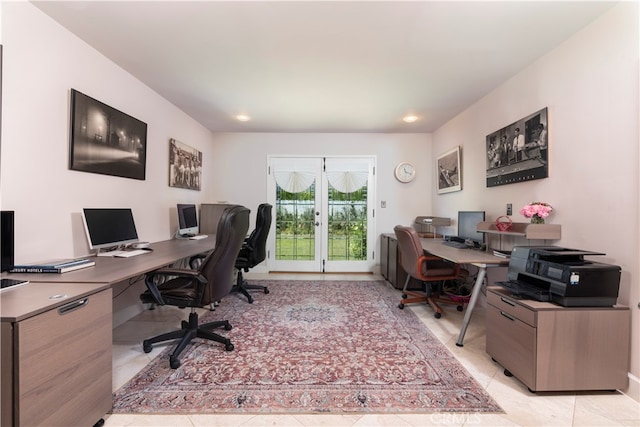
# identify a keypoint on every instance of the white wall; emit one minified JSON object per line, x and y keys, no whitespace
{"x":246,"y":154}
{"x":590,"y":86}
{"x":41,"y":63}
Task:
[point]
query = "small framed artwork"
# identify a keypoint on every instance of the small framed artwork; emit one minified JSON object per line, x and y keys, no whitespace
{"x":449,"y":172}
{"x":185,"y":166}
{"x":105,"y":140}
{"x":519,"y":152}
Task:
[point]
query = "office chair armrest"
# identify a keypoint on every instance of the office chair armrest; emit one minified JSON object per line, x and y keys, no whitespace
{"x":171,"y":272}
{"x":429,"y":257}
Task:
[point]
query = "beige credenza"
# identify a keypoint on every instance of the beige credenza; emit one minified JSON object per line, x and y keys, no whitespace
{"x":210,"y":214}
{"x":553,"y":348}
{"x":56,"y":354}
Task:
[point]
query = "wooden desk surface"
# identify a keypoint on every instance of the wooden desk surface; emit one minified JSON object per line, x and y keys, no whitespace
{"x":24,"y":301}
{"x":112,"y":270}
{"x":461,"y":256}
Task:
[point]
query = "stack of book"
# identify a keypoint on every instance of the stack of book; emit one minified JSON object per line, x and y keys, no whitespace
{"x":54,"y":266}
{"x":501,"y":253}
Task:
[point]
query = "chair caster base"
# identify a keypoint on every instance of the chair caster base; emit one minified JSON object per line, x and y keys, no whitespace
{"x":229,"y":347}
{"x":146,"y":346}
{"x":437,"y":315}
{"x":174,"y":363}
{"x":266,"y":291}
{"x":401,"y":306}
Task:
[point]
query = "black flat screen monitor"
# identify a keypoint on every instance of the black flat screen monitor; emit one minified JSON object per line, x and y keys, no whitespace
{"x":109,"y":227}
{"x":187,"y":219}
{"x":468,"y":224}
{"x":7,"y":239}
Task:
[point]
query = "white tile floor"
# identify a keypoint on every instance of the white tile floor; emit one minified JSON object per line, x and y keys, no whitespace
{"x":522,"y":408}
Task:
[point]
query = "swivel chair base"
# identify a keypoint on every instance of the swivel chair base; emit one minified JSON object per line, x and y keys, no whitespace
{"x":243,"y":287}
{"x":187,"y":333}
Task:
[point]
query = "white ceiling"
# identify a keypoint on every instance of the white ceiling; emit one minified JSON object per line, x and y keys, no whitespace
{"x":323,"y":66}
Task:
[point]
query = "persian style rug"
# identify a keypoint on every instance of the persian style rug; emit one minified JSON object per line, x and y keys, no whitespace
{"x":310,"y":347}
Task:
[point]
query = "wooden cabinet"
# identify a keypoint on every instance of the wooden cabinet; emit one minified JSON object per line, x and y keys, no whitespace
{"x":210,"y":214}
{"x":56,"y":354}
{"x":390,"y":267}
{"x":553,"y":348}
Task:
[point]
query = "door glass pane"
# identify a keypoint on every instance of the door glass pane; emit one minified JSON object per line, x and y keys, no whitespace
{"x":347,"y":226}
{"x":295,"y":224}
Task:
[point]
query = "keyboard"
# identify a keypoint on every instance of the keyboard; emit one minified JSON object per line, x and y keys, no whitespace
{"x":10,"y":283}
{"x":199,"y":236}
{"x":128,"y":254}
{"x":458,"y":245}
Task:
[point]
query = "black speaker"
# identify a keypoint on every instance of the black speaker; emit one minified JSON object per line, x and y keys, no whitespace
{"x":6,"y":239}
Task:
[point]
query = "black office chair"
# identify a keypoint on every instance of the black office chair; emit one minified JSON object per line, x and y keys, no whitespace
{"x":254,"y":251}
{"x":197,"y":288}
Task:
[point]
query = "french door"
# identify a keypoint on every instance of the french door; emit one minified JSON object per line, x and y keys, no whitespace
{"x":323,"y":214}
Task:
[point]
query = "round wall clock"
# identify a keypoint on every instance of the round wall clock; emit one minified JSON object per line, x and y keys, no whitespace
{"x":405,"y":172}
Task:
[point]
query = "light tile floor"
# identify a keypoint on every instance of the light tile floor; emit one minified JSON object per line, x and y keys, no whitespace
{"x":522,"y":408}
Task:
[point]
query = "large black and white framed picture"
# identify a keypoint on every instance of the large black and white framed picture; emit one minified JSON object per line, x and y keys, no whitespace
{"x":519,"y":152}
{"x":105,"y":140}
{"x":449,"y":171}
{"x":185,"y":166}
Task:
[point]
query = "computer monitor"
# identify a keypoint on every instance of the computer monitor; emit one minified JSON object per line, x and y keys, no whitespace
{"x":467,"y":226}
{"x":109,"y":227}
{"x":187,"y":220}
{"x":7,"y":239}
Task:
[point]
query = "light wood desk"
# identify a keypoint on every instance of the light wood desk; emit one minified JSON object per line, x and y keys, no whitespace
{"x":112,"y":270}
{"x":480,"y":259}
{"x":56,"y":337}
{"x":56,"y":343}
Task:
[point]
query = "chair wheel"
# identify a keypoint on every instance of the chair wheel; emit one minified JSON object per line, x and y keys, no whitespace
{"x":266,"y":291}
{"x":229,"y":347}
{"x":174,"y":363}
{"x":508,"y":373}
{"x":401,"y":306}
{"x":228,"y":327}
{"x":459,"y":308}
{"x":146,"y":346}
{"x":437,"y":315}
{"x":184,"y":324}
{"x":404,"y":296}
{"x":250,"y":300}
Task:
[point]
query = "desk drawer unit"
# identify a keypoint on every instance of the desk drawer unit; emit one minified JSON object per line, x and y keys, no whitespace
{"x":64,"y":357}
{"x":554,"y":348}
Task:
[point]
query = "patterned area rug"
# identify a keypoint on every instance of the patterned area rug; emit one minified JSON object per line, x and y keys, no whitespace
{"x":310,"y":347}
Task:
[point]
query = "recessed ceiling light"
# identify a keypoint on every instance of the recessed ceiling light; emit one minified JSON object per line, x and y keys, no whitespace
{"x":243,"y":118}
{"x":410,"y":118}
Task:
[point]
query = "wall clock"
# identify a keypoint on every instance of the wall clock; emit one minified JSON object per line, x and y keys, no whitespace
{"x":405,"y":172}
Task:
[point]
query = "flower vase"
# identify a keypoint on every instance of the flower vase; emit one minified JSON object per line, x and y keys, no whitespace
{"x":537,"y":220}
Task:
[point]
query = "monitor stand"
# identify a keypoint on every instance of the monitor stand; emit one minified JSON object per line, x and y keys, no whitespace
{"x":108,"y":252}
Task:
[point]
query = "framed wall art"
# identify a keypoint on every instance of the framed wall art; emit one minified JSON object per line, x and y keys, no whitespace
{"x":519,"y":152}
{"x":449,"y":171}
{"x":185,"y":166}
{"x":105,"y":140}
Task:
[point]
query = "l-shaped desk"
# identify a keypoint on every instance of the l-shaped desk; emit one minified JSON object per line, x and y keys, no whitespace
{"x":480,"y":259}
{"x":56,"y":337}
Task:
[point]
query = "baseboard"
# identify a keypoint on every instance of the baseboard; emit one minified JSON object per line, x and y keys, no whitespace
{"x":633,"y":391}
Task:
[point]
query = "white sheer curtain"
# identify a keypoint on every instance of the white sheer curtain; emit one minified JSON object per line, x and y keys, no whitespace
{"x":347,"y":175}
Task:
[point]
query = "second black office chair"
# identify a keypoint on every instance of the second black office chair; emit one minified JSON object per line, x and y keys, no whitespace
{"x":197,"y":288}
{"x":254,"y":251}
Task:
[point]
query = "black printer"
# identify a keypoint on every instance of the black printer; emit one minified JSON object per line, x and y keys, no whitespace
{"x":563,"y":276}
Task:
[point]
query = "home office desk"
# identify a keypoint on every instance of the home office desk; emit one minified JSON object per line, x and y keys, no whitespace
{"x":112,"y":270}
{"x":480,"y":259}
{"x":56,"y":337}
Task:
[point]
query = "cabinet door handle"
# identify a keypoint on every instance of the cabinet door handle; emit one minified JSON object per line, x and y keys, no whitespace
{"x":507,"y":301}
{"x":508,"y":316}
{"x":75,"y":305}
